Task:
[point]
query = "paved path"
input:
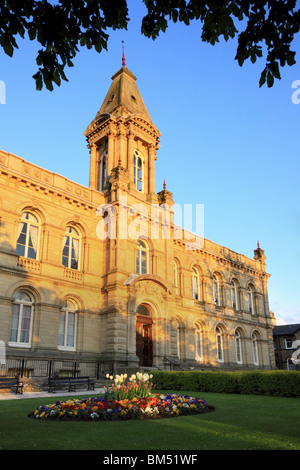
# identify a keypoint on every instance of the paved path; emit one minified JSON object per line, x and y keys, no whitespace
{"x":60,"y":393}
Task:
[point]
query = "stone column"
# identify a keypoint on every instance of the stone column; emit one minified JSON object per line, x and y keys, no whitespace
{"x":130,"y":149}
{"x":151,"y":169}
{"x":110,"y":152}
{"x":93,"y":166}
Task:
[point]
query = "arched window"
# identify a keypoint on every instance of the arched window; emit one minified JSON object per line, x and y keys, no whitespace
{"x":234,"y":295}
{"x":21,"y":319}
{"x":67,"y":325}
{"x":102,"y":170}
{"x":71,"y":248}
{"x":251,"y":299}
{"x":220,"y":346}
{"x":198,"y":342}
{"x":255,"y":349}
{"x":195,"y":284}
{"x":142,"y":258}
{"x":216,"y":290}
{"x":238,"y":347}
{"x":138,"y":170}
{"x":28,"y":236}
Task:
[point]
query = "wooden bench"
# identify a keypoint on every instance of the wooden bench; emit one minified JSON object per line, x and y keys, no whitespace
{"x":70,"y":382}
{"x":10,"y":382}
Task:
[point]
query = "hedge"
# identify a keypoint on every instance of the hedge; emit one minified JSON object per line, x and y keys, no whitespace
{"x":277,"y":383}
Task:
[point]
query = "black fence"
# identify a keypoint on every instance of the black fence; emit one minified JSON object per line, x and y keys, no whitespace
{"x":39,"y":368}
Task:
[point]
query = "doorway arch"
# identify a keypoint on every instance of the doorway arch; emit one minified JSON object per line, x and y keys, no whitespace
{"x":144,"y":332}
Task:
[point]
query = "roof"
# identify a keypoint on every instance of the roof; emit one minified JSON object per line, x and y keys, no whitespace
{"x":123,"y":97}
{"x":286,"y":329}
{"x":122,"y":101}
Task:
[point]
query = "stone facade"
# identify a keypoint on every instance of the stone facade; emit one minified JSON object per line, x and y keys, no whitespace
{"x":287,"y":346}
{"x":102,"y":273}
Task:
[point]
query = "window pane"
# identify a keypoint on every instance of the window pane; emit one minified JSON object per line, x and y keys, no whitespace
{"x":61,"y":329}
{"x":14,"y":323}
{"x":71,"y":329}
{"x":74,"y":254}
{"x":32,"y":242}
{"x":65,"y":253}
{"x":137,"y":262}
{"x":21,"y":241}
{"x":22,"y":296}
{"x":30,"y":217}
{"x":25,"y":324}
{"x":144,"y":262}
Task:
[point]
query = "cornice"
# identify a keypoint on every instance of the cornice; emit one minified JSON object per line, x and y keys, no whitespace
{"x":25,"y":175}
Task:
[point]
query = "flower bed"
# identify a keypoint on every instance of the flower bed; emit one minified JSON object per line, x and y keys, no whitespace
{"x":104,"y":409}
{"x":123,"y":399}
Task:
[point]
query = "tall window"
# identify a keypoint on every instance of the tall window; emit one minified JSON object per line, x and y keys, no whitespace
{"x":67,"y":325}
{"x":199,"y":343}
{"x":138,"y":170}
{"x":28,"y":236}
{"x":238,"y":347}
{"x":216,"y":290}
{"x":142,"y":258}
{"x":71,"y":248}
{"x":176,"y":278}
{"x":21,"y":319}
{"x":234,"y":295}
{"x":220,"y":350}
{"x":102,"y":170}
{"x":251,"y":299}
{"x":255,"y":349}
{"x":195,"y":284}
{"x":178,"y":339}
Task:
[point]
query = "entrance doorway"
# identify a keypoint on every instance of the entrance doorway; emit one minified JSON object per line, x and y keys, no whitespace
{"x":144,"y":343}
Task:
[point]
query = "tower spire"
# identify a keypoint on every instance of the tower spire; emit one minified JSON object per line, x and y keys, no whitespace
{"x":123,"y":55}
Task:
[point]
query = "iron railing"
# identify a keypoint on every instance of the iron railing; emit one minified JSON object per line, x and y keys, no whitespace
{"x":45,"y":368}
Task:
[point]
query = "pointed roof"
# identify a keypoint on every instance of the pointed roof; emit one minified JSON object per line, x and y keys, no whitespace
{"x":123,"y":97}
{"x":123,"y":101}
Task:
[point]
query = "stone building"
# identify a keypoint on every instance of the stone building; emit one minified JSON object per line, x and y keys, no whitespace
{"x":286,"y":346}
{"x":102,"y":273}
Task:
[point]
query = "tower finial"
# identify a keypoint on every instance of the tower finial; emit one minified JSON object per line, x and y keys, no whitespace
{"x":165,"y":185}
{"x":123,"y":55}
{"x":119,"y":162}
{"x":258,"y":244}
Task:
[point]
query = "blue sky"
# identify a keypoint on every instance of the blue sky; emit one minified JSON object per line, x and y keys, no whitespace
{"x":226,"y":143}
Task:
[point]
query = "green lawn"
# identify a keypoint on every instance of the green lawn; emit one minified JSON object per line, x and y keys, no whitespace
{"x":239,"y":422}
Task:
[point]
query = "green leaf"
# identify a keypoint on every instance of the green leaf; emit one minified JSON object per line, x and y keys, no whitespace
{"x":8,"y":49}
{"x":38,"y":81}
{"x":270,"y":79}
{"x":31,"y":33}
{"x":263,"y":77}
{"x":56,"y":78}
